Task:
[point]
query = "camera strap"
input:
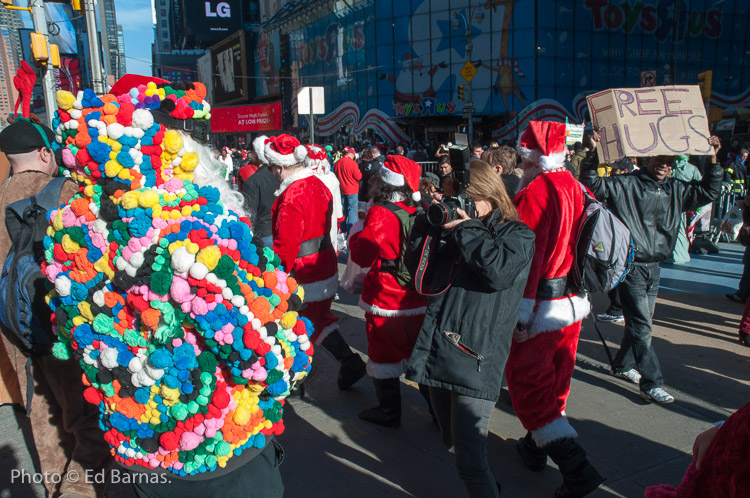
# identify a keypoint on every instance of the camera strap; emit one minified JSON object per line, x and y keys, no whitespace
{"x":430,"y":245}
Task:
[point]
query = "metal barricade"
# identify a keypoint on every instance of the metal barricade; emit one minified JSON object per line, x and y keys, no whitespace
{"x":729,"y":196}
{"x":429,"y":167}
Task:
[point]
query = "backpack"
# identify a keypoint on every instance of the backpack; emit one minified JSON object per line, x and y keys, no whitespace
{"x":23,"y":285}
{"x":398,"y":266}
{"x":604,"y":249}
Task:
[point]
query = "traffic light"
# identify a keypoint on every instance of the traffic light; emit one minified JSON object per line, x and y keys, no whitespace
{"x":6,"y":2}
{"x":39,"y":50}
{"x":77,"y":5}
{"x":54,"y":55}
{"x":704,"y":82}
{"x":461,"y":90}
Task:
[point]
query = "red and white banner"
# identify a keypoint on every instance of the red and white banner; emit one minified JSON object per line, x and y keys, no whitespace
{"x":237,"y":119}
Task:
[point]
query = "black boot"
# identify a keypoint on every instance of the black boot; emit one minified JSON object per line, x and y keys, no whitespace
{"x":532,"y":455}
{"x":579,"y":476}
{"x":352,"y":367}
{"x":425,"y":392}
{"x":744,"y":338}
{"x":388,"y":412}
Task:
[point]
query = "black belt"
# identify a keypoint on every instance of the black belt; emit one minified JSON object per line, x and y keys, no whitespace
{"x":313,"y":246}
{"x":388,"y":265}
{"x":554,"y":288}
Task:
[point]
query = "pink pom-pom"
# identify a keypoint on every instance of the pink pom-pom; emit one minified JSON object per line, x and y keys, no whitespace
{"x":189,"y":441}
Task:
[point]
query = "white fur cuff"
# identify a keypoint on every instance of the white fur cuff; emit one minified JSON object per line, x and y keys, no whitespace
{"x":325,"y":332}
{"x":526,"y":311}
{"x":375,"y":310}
{"x":385,"y":370}
{"x":558,"y":429}
{"x":559,"y":313}
{"x":321,"y":290}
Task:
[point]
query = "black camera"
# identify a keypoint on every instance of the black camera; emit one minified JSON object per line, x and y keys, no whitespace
{"x":446,"y":211}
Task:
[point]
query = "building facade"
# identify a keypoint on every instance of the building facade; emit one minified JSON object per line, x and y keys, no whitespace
{"x":398,"y":68}
{"x":8,"y":67}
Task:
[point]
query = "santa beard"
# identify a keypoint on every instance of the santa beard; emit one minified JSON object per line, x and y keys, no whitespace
{"x":530,"y":172}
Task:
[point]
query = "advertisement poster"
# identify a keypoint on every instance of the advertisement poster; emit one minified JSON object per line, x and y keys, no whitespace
{"x":229,"y":76}
{"x":267,"y":64}
{"x":209,"y":21}
{"x":266,"y":117}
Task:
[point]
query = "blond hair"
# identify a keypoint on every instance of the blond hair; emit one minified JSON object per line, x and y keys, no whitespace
{"x":504,"y":156}
{"x":487,"y":185}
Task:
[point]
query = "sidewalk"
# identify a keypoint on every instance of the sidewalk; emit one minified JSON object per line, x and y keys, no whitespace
{"x":331,"y":453}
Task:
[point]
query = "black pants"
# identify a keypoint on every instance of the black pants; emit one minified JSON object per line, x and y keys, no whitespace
{"x":258,"y":478}
{"x":638,"y":294}
{"x":744,"y":289}
{"x":615,"y":305}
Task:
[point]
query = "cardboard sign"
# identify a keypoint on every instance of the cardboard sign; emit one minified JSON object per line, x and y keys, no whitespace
{"x":575,"y":134}
{"x":644,"y":122}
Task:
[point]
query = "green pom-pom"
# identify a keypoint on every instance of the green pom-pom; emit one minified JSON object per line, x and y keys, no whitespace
{"x":193,"y":407}
{"x":274,"y":299}
{"x":273,"y":376}
{"x":207,"y":362}
{"x":160,"y":282}
{"x":223,"y":448}
{"x":180,"y":411}
{"x":224,"y":267}
{"x":61,"y":350}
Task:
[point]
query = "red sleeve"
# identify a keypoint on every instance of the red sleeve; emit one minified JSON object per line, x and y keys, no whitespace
{"x":531,"y":210}
{"x":289,"y":225}
{"x":356,"y":173}
{"x":380,"y":238}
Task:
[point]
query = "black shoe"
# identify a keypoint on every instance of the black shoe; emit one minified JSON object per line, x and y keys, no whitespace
{"x":532,"y":455}
{"x":735,"y":298}
{"x":745,"y":338}
{"x":351,"y":371}
{"x":388,"y":412}
{"x":579,"y":476}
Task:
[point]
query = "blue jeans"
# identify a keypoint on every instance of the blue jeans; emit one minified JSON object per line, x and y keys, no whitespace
{"x":268,"y":241}
{"x":464,"y":422}
{"x":638,"y":295}
{"x":350,"y":204}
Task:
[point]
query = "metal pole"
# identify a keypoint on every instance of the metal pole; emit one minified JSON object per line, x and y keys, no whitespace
{"x":48,"y":78}
{"x":96,"y":64}
{"x":469,"y":48}
{"x":312,"y":125}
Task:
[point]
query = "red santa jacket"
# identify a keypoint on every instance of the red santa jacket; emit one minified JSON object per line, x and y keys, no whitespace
{"x":302,"y":211}
{"x":348,"y":173}
{"x":381,"y":239}
{"x":552,"y":206}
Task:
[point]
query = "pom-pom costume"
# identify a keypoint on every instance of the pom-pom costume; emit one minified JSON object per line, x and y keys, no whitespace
{"x":542,"y":355}
{"x":186,"y":328}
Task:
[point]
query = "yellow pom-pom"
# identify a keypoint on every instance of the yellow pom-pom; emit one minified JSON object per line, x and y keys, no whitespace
{"x":149,"y":93}
{"x":241,"y":415}
{"x":151,"y":86}
{"x":148,"y":198}
{"x":289,"y":320}
{"x":68,"y":245}
{"x":89,"y":191}
{"x":78,"y":320}
{"x":189,"y":161}
{"x":130,"y":200}
{"x":65,"y":99}
{"x":209,"y":256}
{"x":172,"y":142}
{"x":112,"y":168}
{"x":57,"y":223}
{"x":85,"y":309}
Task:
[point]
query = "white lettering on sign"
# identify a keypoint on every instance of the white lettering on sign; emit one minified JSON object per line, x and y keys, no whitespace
{"x":222,"y":10}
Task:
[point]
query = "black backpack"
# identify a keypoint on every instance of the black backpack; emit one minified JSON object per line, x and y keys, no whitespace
{"x":23,"y":286}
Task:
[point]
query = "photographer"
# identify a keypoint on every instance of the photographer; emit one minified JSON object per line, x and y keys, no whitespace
{"x":481,"y":265}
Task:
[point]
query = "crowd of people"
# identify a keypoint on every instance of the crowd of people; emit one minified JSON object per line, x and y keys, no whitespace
{"x":192,"y":310}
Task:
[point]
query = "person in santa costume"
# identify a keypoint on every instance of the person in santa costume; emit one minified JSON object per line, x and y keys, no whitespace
{"x":317,"y":161}
{"x":393,"y":309}
{"x":543,"y":352}
{"x":301,"y":220}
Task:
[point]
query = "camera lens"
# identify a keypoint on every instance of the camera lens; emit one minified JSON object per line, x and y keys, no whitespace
{"x":437,"y":214}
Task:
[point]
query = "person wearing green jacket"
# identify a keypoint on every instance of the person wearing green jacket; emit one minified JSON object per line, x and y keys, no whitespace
{"x":683,"y":170}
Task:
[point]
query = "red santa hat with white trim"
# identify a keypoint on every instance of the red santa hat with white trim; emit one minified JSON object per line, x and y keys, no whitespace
{"x":543,"y":143}
{"x":285,"y":151}
{"x":399,"y":171}
{"x":259,"y":146}
{"x":317,"y":158}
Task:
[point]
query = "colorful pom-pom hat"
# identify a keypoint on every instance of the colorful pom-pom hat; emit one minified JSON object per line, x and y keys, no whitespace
{"x":187,"y":330}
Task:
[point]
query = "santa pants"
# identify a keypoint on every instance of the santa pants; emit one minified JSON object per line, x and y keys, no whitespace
{"x":390,"y":341}
{"x":319,"y":313}
{"x":539,"y":372}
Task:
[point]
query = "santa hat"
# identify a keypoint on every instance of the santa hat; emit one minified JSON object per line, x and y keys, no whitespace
{"x":349,"y":150}
{"x":543,"y":143}
{"x":284,"y":151}
{"x":399,"y":171}
{"x":317,"y":159}
{"x":259,"y":146}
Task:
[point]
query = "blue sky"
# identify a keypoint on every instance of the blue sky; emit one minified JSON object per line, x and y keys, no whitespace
{"x":135,"y":17}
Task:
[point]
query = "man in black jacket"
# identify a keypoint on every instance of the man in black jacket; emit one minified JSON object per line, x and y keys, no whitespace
{"x":370,"y":165}
{"x":649,"y":203}
{"x":260,"y":192}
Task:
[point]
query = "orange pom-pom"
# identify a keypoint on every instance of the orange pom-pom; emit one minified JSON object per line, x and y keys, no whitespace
{"x":150,"y":318}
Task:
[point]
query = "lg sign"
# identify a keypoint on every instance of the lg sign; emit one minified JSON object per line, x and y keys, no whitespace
{"x":222,"y":10}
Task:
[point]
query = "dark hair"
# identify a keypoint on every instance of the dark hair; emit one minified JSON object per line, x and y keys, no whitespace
{"x":504,"y":156}
{"x":400,"y":150}
{"x":380,"y":192}
{"x":444,"y":159}
{"x":474,"y":145}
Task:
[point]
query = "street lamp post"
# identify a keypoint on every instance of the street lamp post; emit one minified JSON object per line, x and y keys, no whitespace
{"x":468,"y":101}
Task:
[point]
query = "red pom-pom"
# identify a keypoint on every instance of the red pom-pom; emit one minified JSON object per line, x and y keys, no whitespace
{"x":285,"y":144}
{"x":169,"y":441}
{"x":92,"y":396}
{"x":250,"y":338}
{"x":220,"y":398}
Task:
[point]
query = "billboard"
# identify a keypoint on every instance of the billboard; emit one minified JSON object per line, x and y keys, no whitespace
{"x":229,"y":71}
{"x":204,"y":74}
{"x":267,"y":64}
{"x":265,"y":117}
{"x":61,"y":30}
{"x":268,"y":8}
{"x":208,"y":21}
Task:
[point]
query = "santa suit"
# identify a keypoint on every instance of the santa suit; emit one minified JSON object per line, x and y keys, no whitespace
{"x":393,"y":313}
{"x":540,"y":367}
{"x":303,"y":212}
{"x":337,"y":214}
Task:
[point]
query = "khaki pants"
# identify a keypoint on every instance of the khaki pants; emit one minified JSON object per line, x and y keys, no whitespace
{"x":64,"y":426}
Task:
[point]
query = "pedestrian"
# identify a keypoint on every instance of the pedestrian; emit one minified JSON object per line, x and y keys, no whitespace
{"x":503,"y":160}
{"x":476,"y":150}
{"x":301,"y":217}
{"x":684,"y":171}
{"x":481,"y":262}
{"x":348,"y":174}
{"x":370,"y":166}
{"x":650,"y":204}
{"x":444,"y":167}
{"x":543,"y":353}
{"x":260,"y":192}
{"x":393,"y":309}
{"x":317,"y":161}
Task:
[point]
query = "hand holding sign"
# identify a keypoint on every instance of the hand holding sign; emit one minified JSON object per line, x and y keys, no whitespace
{"x":642,"y":122}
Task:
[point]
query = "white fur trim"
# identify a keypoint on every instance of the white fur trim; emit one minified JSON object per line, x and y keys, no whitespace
{"x":391,"y":177}
{"x":558,"y":429}
{"x":552,"y":161}
{"x":385,"y":370}
{"x":325,"y":332}
{"x":526,"y":311}
{"x":285,"y":160}
{"x":299,"y":175}
{"x":559,"y":313}
{"x":377,"y":311}
{"x":259,"y":145}
{"x":416,"y":196}
{"x":321,"y":290}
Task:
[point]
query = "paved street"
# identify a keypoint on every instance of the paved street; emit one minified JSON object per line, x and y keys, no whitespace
{"x":330,"y":453}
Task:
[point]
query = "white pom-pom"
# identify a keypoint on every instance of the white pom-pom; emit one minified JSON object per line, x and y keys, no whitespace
{"x":76,"y":114}
{"x":137,"y":259}
{"x":100,"y":226}
{"x":115,"y":131}
{"x":198,"y":271}
{"x":212,"y":278}
{"x":182,"y":260}
{"x":176,"y":161}
{"x":138,"y":133}
{"x":416,"y":196}
{"x":98,"y":298}
{"x":143,"y":119}
{"x":238,"y":301}
{"x":120,"y":263}
{"x":227,"y":293}
{"x":108,"y":358}
{"x":135,"y":365}
{"x":300,"y":153}
{"x":62,"y":286}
